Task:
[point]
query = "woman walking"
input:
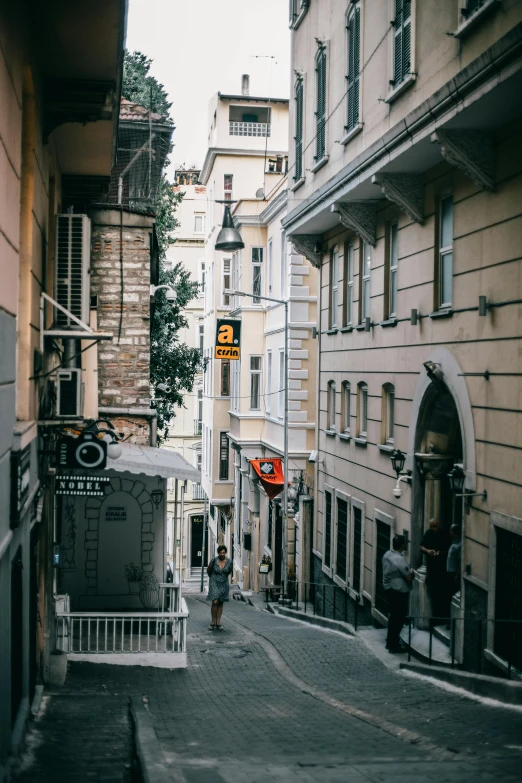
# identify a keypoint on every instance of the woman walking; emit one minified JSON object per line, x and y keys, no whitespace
{"x":218,"y":571}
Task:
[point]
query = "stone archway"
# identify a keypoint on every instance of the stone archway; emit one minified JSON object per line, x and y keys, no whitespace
{"x":93,"y":507}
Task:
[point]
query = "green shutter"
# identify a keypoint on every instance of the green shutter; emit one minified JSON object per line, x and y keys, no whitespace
{"x":299,"y":129}
{"x":354,"y":46}
{"x":321,"y":105}
{"x":402,"y":41}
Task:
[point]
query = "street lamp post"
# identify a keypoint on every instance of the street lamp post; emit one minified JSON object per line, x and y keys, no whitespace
{"x":285,"y":422}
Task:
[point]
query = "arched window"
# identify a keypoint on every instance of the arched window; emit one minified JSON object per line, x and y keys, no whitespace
{"x":345,"y":407}
{"x":330,"y":407}
{"x":388,"y":415}
{"x":362,"y":410}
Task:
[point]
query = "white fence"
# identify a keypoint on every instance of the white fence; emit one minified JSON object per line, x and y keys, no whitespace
{"x":249,"y":128}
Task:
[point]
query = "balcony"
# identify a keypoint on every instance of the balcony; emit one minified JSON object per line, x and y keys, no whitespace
{"x":198,"y":492}
{"x":249,"y":128}
{"x":198,"y":426}
{"x":154,"y":638}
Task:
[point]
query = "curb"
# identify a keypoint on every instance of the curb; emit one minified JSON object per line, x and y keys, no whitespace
{"x":505,"y":691}
{"x":148,"y":750}
{"x":322,"y":622}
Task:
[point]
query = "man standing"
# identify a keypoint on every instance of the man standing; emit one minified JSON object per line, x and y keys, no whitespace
{"x":434,"y":545}
{"x":396,"y":578}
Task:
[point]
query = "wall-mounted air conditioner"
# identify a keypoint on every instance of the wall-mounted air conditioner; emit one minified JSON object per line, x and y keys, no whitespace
{"x":73,"y":260}
{"x":69,"y":393}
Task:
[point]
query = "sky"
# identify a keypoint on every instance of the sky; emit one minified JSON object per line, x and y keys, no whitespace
{"x":200,"y":47}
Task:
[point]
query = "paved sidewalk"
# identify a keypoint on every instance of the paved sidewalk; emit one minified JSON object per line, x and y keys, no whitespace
{"x":268,"y":699}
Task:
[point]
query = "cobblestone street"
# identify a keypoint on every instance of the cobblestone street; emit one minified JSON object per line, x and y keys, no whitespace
{"x":272,"y":699}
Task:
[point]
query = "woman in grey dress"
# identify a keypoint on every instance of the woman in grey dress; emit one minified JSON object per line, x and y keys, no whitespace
{"x":218,"y":571}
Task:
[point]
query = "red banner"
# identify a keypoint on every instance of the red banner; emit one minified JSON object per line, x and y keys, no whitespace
{"x":270,"y":471}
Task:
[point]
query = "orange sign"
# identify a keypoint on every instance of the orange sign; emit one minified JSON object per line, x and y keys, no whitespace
{"x":270,"y":471}
{"x":228,"y":339}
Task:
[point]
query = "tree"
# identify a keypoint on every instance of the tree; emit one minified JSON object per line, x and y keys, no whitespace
{"x":172,"y":362}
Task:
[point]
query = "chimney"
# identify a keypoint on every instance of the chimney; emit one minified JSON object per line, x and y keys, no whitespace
{"x":245,"y":84}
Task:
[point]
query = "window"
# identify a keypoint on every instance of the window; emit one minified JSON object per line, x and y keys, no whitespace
{"x":348,"y":285}
{"x":226,"y":283}
{"x":202,"y":279}
{"x":299,"y":108}
{"x":357,"y":546}
{"x":270,"y":267}
{"x":320,"y":114}
{"x":283,"y":264}
{"x":257,"y":273}
{"x":388,"y":414}
{"x":224,"y":456}
{"x":364,"y":286}
{"x":327,"y":529}
{"x":402,"y":41}
{"x":201,"y":337}
{"x":362,"y":410}
{"x":391,"y":263}
{"x":281,"y":405}
{"x":199,"y":222}
{"x":298,"y":9}
{"x":227,"y":187}
{"x":354,"y":46}
{"x":345,"y":407}
{"x":199,"y":413}
{"x":445,"y":254}
{"x":342,"y":539}
{"x":330,"y":407}
{"x":472,"y":6}
{"x":255,"y":382}
{"x":334,"y":286}
{"x":268,"y":398}
{"x":224,"y":385}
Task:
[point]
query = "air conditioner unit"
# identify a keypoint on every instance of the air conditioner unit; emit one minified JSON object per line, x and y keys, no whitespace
{"x":73,"y":260}
{"x":69,"y":394}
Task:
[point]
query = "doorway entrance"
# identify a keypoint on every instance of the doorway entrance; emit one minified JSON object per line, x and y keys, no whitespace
{"x":196,"y":541}
{"x":17,"y":633}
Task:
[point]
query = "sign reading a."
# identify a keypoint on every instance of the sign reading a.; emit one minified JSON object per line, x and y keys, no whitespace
{"x":228,"y":339}
{"x":81,"y":485}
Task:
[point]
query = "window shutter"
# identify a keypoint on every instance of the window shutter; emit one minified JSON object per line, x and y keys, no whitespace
{"x":354,"y":47}
{"x":402,"y":41}
{"x":397,"y":76}
{"x":298,"y":129}
{"x":321,"y":105}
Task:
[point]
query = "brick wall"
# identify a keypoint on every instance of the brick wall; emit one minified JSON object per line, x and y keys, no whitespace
{"x":124,"y":363}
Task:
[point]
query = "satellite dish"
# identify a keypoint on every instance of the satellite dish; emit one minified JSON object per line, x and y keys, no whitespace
{"x":260,"y":193}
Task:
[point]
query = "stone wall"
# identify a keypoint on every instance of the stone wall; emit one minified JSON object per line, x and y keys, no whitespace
{"x":124,"y":363}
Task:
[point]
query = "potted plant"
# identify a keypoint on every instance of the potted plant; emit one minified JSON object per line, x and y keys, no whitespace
{"x":149,"y":591}
{"x":133,"y":574}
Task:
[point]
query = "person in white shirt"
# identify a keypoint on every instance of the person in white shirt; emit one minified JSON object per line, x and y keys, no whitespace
{"x":396,"y":579}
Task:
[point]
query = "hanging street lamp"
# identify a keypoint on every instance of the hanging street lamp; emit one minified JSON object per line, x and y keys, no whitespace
{"x":229,"y":238}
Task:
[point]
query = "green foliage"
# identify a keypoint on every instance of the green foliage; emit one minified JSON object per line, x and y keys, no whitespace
{"x":172,"y":362}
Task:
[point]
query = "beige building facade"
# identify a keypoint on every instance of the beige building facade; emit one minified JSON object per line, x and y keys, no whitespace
{"x":406,"y":185}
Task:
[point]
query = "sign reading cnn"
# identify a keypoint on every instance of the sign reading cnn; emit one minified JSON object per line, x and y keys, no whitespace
{"x":228,"y":339}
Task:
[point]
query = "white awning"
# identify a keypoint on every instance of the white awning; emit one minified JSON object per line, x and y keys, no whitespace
{"x":153,"y":462}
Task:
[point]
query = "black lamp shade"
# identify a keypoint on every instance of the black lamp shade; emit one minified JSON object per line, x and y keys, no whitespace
{"x":398,"y":458}
{"x":456,"y":478}
{"x":229,"y":238}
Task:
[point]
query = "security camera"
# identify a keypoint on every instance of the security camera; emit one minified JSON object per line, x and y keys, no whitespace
{"x":313,"y":456}
{"x":164,"y":387}
{"x":397,"y":491}
{"x":170,"y":295}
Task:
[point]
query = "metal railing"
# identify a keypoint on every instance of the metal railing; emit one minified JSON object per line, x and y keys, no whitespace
{"x":198,"y":493}
{"x":322,"y":600}
{"x":249,"y":128}
{"x":198,"y":426}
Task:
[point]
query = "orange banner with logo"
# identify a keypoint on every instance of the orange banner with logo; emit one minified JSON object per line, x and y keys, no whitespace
{"x":270,"y":471}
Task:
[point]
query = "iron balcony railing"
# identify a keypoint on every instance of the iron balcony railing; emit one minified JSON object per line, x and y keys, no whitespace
{"x":198,"y":493}
{"x":249,"y":128}
{"x":198,"y":426}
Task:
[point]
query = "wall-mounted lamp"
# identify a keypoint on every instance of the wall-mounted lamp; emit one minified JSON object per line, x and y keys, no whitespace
{"x":398,"y":459}
{"x":456,"y":479}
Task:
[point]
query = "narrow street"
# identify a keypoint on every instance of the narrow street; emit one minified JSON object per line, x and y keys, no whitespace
{"x":270,"y":699}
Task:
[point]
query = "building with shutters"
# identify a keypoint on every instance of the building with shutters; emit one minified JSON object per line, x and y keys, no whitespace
{"x":404,"y":186}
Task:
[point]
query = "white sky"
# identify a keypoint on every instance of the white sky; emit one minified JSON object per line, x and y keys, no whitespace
{"x":200,"y":47}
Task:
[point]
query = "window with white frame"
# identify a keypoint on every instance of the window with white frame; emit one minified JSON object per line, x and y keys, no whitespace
{"x":445,"y":253}
{"x":320,"y":113}
{"x":392,"y":265}
{"x":268,"y":398}
{"x":353,"y":29}
{"x":401,"y":41}
{"x":345,"y":407}
{"x":270,"y":267}
{"x":348,"y":284}
{"x":257,"y":256}
{"x":299,"y":123}
{"x":282,"y":381}
{"x":256,"y":364}
{"x":202,"y":279}
{"x":199,"y":222}
{"x":334,"y":286}
{"x":388,"y":414}
{"x":224,"y":456}
{"x":283,"y":267}
{"x":330,"y":407}
{"x":365,"y":278}
{"x":362,"y":410}
{"x":226,"y":282}
{"x":201,"y":336}
{"x":228,"y":180}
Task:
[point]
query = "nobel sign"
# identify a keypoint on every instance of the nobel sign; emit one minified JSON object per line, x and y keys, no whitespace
{"x":228,"y":339}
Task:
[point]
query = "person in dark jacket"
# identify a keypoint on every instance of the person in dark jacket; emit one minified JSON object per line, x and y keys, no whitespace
{"x":435,"y":546}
